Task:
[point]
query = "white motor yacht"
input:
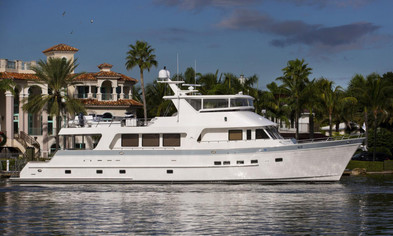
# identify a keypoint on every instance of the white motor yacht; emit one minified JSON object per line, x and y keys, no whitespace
{"x":211,"y":138}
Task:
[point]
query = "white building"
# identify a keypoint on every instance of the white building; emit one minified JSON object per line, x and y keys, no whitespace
{"x":103,"y":93}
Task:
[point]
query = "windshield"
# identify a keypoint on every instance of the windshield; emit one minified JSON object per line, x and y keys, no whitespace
{"x":215,"y":103}
{"x":273,"y":132}
{"x":241,"y":102}
{"x":195,"y":103}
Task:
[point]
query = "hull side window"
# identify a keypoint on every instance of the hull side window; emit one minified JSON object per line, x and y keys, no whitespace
{"x":150,"y":140}
{"x":129,"y":140}
{"x":235,"y":135}
{"x":171,"y":140}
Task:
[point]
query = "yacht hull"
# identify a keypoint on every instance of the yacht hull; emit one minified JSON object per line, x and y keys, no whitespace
{"x":307,"y":162}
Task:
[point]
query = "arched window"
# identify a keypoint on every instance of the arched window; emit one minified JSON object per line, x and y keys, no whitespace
{"x":106,"y":90}
{"x":107,"y":115}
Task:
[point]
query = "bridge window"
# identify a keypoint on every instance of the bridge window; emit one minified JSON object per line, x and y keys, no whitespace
{"x":261,"y":134}
{"x":241,"y":102}
{"x":195,"y":103}
{"x":273,"y":132}
{"x":215,"y":103}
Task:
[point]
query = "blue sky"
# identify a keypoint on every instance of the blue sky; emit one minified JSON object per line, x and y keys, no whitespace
{"x":337,"y":38}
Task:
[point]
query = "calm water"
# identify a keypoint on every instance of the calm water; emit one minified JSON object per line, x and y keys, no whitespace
{"x":355,"y":205}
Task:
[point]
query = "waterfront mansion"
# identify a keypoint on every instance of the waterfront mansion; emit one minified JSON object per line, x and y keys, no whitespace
{"x":104,"y":93}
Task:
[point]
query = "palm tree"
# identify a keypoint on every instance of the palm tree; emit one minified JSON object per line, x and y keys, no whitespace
{"x":374,"y":94}
{"x":136,"y":93}
{"x":210,"y":83}
{"x":331,"y":99}
{"x":137,"y":96}
{"x":275,"y":103}
{"x":230,"y":84}
{"x":388,"y":121}
{"x":312,"y":104}
{"x":57,"y":74}
{"x":344,"y":111}
{"x":7,"y":85}
{"x":356,"y":88}
{"x":141,"y":55}
{"x":295,"y":80}
{"x":248,"y":86}
{"x":379,"y":99}
{"x":159,"y":106}
{"x":189,"y":76}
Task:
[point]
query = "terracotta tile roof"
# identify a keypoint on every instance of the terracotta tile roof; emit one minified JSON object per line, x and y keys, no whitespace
{"x":61,"y":47}
{"x":105,"y":65}
{"x":86,"y":76}
{"x":107,"y":74}
{"x":82,"y":77}
{"x":104,"y":74}
{"x":121,"y":102}
{"x":15,"y":75}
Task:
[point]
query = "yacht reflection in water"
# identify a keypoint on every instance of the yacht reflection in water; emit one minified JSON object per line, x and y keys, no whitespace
{"x":196,"y":209}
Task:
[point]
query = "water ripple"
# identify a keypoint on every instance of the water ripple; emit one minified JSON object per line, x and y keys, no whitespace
{"x":356,"y":205}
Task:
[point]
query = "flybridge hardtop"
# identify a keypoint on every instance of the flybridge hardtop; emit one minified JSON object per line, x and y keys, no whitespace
{"x":211,"y":138}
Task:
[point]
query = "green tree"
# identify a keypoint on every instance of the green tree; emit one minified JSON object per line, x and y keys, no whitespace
{"x":313,"y":104}
{"x":6,"y":85}
{"x":275,"y":102}
{"x":295,"y":80}
{"x":142,"y":55}
{"x":136,"y":93}
{"x":57,"y":74}
{"x":375,"y":95}
{"x":190,"y":76}
{"x":388,"y":121}
{"x":230,"y":84}
{"x":332,"y":100}
{"x":137,"y":96}
{"x":159,"y":106}
{"x":210,"y":83}
{"x":357,"y":86}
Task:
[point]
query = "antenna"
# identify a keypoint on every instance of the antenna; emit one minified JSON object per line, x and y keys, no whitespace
{"x":177,"y":60}
{"x":195,"y":73}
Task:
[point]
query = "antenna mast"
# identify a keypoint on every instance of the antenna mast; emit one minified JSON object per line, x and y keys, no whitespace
{"x":195,"y":73}
{"x":177,"y":60}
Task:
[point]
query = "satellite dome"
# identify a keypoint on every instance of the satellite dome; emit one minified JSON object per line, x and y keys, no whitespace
{"x":164,"y":74}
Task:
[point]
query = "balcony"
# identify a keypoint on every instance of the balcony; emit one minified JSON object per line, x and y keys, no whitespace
{"x":106,"y":96}
{"x":81,"y":95}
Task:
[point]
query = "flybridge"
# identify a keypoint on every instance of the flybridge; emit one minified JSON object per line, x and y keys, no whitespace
{"x":205,"y":103}
{"x":220,"y":103}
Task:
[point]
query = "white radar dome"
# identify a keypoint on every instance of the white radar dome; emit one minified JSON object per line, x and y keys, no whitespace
{"x":164,"y":74}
